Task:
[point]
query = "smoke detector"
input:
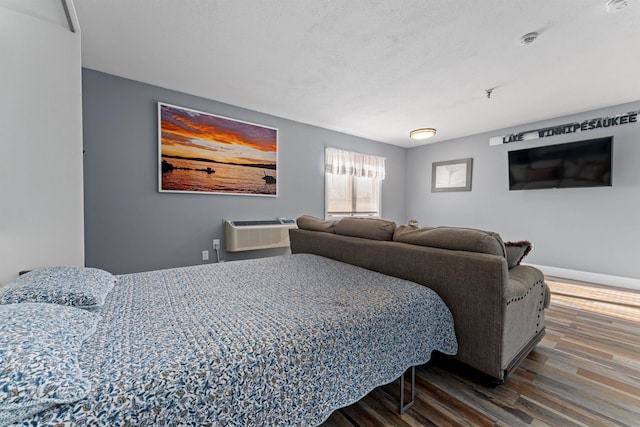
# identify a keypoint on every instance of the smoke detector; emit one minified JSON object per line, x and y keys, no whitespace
{"x":530,"y":37}
{"x":614,"y":6}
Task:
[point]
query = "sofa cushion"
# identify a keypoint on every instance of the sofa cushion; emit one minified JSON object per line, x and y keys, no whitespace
{"x":368,"y":228}
{"x":308,"y":222}
{"x":516,"y":251}
{"x":454,"y":238}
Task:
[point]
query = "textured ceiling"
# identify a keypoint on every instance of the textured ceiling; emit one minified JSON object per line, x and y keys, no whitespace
{"x":375,"y":68}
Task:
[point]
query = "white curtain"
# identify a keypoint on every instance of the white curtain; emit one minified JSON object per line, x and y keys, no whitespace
{"x":341,"y":162}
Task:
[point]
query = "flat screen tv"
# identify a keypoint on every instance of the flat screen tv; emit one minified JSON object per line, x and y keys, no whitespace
{"x":574,"y":164}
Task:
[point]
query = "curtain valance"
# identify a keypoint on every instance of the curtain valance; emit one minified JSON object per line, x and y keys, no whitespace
{"x":342,"y":162}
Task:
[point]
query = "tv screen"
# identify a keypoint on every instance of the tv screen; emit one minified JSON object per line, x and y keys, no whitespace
{"x":574,"y":164}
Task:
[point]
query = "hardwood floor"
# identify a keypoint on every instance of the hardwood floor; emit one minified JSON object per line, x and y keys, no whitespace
{"x":585,"y":372}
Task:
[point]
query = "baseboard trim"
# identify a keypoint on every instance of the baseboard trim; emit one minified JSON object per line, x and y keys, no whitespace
{"x":585,"y":276}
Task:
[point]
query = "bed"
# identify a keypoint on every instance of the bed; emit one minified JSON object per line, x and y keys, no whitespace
{"x":275,"y":341}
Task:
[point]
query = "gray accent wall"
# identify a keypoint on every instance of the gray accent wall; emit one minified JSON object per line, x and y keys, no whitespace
{"x":586,"y":229}
{"x":130,"y":226}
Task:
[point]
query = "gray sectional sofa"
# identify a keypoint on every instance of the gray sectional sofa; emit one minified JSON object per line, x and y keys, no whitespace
{"x":497,"y":304}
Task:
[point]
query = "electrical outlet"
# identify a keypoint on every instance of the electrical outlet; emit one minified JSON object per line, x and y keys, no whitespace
{"x":205,"y":255}
{"x":216,"y":243}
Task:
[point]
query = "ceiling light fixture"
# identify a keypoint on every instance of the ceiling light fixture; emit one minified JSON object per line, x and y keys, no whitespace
{"x":614,"y":6}
{"x":529,"y":37}
{"x":422,"y":133}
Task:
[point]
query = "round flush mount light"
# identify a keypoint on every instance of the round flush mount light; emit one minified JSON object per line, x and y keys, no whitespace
{"x":614,"y":6}
{"x":422,"y":133}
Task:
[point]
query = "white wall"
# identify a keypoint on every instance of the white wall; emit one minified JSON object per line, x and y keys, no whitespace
{"x":592,"y":230}
{"x":41,"y":190}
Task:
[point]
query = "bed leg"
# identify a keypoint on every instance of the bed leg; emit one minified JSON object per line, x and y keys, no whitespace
{"x":405,"y":407}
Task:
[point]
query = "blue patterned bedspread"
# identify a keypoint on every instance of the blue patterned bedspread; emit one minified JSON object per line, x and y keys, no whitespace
{"x":265,"y":342}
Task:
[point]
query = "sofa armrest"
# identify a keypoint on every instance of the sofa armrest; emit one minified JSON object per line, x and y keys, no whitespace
{"x":526,"y":297}
{"x":521,"y":279}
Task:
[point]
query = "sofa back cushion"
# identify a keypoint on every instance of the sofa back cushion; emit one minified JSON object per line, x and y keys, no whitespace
{"x":308,"y":222}
{"x":402,"y":229}
{"x":368,"y":228}
{"x":454,"y":238}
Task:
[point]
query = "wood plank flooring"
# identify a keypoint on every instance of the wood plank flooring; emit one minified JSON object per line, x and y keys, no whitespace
{"x":585,"y":372}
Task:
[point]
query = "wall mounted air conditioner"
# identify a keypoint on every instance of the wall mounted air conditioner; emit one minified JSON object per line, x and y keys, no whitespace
{"x":259,"y":234}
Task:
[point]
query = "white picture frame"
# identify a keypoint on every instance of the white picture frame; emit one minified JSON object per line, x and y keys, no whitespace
{"x":205,"y":153}
{"x":451,"y":175}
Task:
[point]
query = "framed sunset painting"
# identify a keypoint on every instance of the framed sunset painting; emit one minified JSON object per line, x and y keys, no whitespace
{"x":205,"y":153}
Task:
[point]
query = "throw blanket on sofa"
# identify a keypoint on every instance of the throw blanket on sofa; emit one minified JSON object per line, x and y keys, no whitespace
{"x":274,"y":341}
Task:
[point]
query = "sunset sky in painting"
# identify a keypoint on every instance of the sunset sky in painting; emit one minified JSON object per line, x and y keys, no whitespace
{"x":192,"y":134}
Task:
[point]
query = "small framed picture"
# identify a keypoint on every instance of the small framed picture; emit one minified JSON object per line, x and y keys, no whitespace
{"x":452,"y":175}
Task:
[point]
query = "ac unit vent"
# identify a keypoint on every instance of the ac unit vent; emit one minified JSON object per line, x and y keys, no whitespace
{"x":259,"y":222}
{"x":253,"y":235}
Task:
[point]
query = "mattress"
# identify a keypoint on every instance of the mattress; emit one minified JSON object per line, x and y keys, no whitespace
{"x":264,"y":342}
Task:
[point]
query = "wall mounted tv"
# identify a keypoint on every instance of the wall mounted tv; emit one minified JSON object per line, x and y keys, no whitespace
{"x":569,"y":165}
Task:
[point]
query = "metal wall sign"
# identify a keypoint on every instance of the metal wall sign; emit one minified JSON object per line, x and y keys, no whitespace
{"x":586,"y":125}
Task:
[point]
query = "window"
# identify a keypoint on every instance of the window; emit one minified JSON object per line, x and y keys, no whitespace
{"x":353,"y":183}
